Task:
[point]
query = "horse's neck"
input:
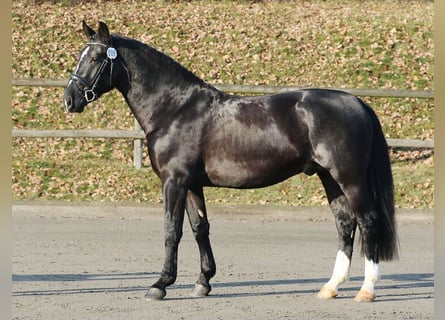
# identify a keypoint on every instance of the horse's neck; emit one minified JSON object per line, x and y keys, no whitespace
{"x":155,"y":98}
{"x":156,"y":109}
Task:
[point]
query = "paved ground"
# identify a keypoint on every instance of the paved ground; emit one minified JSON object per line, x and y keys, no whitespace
{"x":96,"y":262}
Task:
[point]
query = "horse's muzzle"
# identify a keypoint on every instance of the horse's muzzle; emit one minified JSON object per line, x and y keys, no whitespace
{"x":73,"y":102}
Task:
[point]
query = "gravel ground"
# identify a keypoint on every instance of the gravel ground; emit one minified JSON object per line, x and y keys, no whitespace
{"x":88,"y":261}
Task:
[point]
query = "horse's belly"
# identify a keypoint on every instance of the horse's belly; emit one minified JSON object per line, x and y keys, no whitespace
{"x":249,"y":173}
{"x":242,"y":156}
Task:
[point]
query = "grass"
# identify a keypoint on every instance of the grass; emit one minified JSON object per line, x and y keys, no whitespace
{"x":356,"y":44}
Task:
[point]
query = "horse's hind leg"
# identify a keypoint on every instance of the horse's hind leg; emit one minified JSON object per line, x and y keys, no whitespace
{"x":197,"y":214}
{"x":346,"y":225}
{"x":367,"y":219}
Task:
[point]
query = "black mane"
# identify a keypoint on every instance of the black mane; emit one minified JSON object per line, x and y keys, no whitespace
{"x":166,"y":65}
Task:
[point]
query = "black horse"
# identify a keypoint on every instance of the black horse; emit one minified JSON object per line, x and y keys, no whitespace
{"x":201,"y":137}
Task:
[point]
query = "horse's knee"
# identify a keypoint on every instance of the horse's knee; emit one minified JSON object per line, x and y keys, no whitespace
{"x":201,"y":230}
{"x":172,"y":239}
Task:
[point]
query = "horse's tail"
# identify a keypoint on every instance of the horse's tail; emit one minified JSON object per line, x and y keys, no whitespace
{"x":381,"y":188}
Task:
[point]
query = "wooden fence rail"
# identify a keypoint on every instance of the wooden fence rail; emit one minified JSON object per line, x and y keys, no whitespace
{"x":246,"y":89}
{"x":138,"y":135}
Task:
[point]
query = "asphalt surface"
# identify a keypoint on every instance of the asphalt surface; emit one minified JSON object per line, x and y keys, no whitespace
{"x":85,"y":261}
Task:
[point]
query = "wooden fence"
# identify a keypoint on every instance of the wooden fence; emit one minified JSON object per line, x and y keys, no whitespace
{"x":138,"y":135}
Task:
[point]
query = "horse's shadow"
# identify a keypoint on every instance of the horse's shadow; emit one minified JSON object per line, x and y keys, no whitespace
{"x":399,"y":282}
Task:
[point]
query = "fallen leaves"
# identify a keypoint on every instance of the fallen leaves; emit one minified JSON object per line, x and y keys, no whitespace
{"x":373,"y":44}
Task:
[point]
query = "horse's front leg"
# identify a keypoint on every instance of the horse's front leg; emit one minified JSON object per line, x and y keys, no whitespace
{"x":197,"y":214}
{"x":174,"y":198}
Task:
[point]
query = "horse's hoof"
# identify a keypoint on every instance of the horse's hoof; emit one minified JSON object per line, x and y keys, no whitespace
{"x":364,"y":296}
{"x":327,"y":293}
{"x":155,"y":294}
{"x":200,"y":291}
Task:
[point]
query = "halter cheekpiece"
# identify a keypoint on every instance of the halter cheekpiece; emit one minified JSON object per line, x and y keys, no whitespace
{"x":89,"y":93}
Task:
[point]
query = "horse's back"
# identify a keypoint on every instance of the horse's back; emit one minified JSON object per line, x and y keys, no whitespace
{"x":278,"y":136}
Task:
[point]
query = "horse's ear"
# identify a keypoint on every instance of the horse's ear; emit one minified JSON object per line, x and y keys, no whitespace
{"x":87,"y":30}
{"x":104,"y":33}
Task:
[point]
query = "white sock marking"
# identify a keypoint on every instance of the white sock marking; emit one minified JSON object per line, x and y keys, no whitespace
{"x":372,"y":275}
{"x":341,"y":270}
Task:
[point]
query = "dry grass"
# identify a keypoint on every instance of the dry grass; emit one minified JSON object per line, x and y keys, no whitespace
{"x":373,"y":44}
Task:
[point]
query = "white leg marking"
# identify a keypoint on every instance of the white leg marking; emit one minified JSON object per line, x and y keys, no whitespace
{"x":341,"y":270}
{"x":372,"y":275}
{"x":339,"y":275}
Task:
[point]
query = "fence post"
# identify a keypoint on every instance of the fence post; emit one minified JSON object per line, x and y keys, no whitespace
{"x":137,"y":152}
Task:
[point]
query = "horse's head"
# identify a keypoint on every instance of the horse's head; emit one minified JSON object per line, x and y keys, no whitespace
{"x":93,"y":75}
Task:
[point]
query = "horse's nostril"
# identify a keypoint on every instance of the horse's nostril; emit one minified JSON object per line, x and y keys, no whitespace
{"x":68,"y":103}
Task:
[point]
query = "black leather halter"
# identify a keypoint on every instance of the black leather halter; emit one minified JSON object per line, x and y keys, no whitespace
{"x":89,"y":91}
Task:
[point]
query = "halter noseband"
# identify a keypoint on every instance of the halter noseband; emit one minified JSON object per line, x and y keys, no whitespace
{"x":89,"y":93}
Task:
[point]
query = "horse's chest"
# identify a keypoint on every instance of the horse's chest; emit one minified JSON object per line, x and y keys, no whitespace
{"x":174,"y":150}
